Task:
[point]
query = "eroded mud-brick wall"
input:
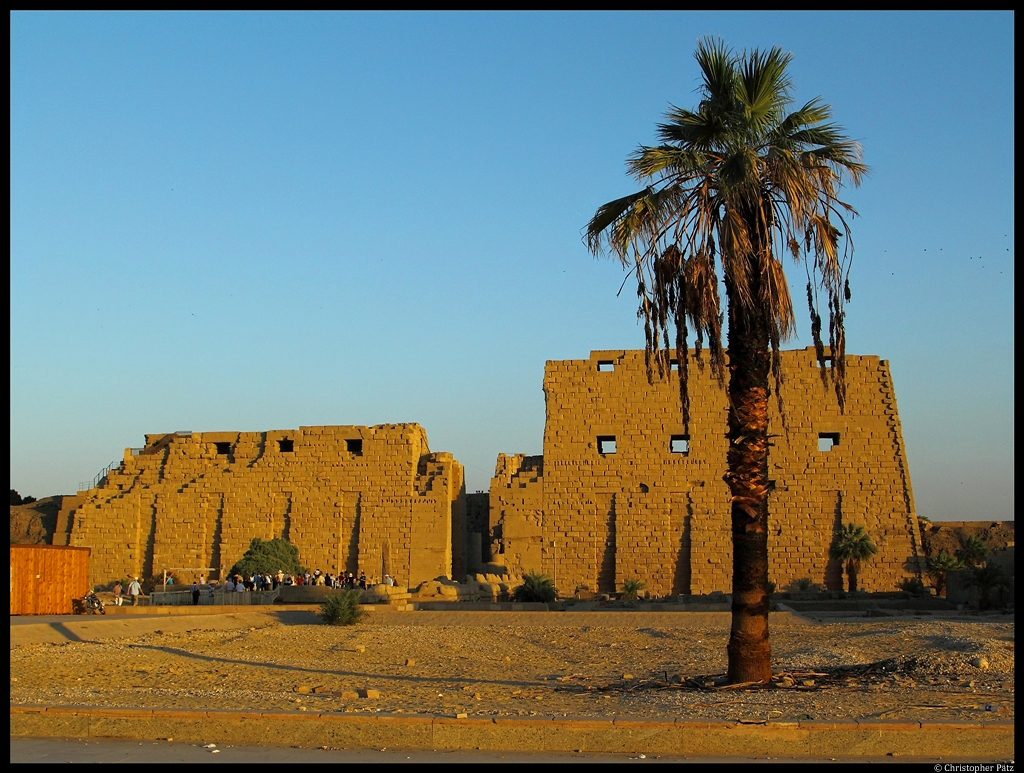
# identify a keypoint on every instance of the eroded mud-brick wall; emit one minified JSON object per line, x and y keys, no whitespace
{"x":371,"y":499}
{"x":623,"y":491}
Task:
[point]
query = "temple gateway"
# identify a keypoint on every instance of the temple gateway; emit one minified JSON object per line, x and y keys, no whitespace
{"x":621,"y":490}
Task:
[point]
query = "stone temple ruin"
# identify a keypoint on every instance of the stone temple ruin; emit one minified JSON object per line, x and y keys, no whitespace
{"x":350,"y":498}
{"x":621,"y":490}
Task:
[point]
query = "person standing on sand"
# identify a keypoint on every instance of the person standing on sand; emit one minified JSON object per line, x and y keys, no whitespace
{"x":117,"y":593}
{"x":134,"y":590}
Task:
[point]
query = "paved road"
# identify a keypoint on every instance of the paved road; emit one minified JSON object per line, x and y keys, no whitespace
{"x":102,"y":750}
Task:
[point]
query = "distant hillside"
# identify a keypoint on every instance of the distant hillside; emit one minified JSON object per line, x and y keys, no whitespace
{"x":949,"y":535}
{"x":34,"y":523}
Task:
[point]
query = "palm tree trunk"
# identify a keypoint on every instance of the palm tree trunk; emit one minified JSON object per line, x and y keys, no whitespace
{"x":747,"y":476}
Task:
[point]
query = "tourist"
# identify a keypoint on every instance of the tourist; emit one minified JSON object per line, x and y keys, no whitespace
{"x":229,"y":586}
{"x":362,"y":580}
{"x":117,"y":593}
{"x":388,"y":581}
{"x":195,"y":594}
{"x":211,"y":593}
{"x":134,"y":590}
{"x":239,"y":585}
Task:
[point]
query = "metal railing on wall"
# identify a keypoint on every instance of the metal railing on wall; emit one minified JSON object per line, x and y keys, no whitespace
{"x":218,"y":597}
{"x":99,"y":479}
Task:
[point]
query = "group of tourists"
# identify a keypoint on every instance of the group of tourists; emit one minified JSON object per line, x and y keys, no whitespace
{"x":260,"y":581}
{"x":134,"y":591}
{"x":265,"y":581}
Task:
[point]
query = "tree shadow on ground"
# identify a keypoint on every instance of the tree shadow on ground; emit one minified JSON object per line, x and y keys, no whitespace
{"x":446,"y":679}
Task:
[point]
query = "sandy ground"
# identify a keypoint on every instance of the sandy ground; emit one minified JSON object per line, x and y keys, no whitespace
{"x":584,"y":664}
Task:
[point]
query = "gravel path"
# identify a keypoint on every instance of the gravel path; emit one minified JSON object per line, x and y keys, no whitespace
{"x":585,"y":664}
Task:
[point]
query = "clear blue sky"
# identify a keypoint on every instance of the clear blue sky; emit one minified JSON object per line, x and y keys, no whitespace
{"x":261,"y":221}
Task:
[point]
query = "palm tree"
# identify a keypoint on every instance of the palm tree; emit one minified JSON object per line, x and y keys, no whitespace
{"x":535,"y":587}
{"x":939,"y":566}
{"x":852,"y":546}
{"x":986,"y":579}
{"x":973,"y":552}
{"x":631,"y":588}
{"x":736,"y":184}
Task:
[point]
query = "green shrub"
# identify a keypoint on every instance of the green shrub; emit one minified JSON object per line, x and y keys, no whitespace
{"x":536,"y":587}
{"x":771,"y":587}
{"x":631,"y":588}
{"x":342,"y":608}
{"x":269,"y":556}
{"x":912,"y":585}
{"x":804,"y":583}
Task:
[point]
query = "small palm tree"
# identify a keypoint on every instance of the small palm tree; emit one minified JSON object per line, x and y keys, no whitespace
{"x":342,"y":608}
{"x":938,"y":567}
{"x":973,"y":552}
{"x":536,"y":587}
{"x":852,"y":546}
{"x":986,"y":579}
{"x":631,"y":588}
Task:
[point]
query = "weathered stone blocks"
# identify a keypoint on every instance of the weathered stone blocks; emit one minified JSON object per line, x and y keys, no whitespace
{"x":612,"y":441}
{"x":371,"y":499}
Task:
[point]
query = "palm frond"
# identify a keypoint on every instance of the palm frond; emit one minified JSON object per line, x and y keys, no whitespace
{"x":735,"y":182}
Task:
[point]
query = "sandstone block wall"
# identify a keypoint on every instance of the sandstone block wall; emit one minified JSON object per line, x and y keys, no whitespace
{"x":371,"y":499}
{"x":623,"y":491}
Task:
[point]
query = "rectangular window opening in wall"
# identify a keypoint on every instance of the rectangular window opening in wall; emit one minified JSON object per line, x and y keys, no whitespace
{"x":285,"y":446}
{"x":354,"y":446}
{"x":827,"y":440}
{"x":606,"y":444}
{"x":223,"y":449}
{"x":680,"y":444}
{"x":605,"y":366}
{"x":673,"y":364}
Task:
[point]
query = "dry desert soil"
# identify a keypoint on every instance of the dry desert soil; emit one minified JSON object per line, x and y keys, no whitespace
{"x":582,"y":664}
